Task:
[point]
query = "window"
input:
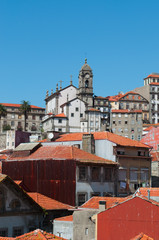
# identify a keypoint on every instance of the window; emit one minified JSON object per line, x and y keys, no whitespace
{"x":17,"y":231}
{"x":59,"y":120}
{"x":139,"y":137}
{"x":91,"y":123}
{"x":95,"y":194}
{"x":108,"y":174}
{"x":126,"y":122}
{"x":81,"y":198}
{"x":119,"y":115}
{"x":15,"y":204}
{"x":83,"y":173}
{"x":133,"y":122}
{"x":114,"y":115}
{"x":4,"y":232}
{"x":77,"y":109}
{"x":19,"y":116}
{"x":113,"y":122}
{"x":81,"y":114}
{"x":13,"y":115}
{"x":12,"y":123}
{"x":119,"y":122}
{"x":144,"y":174}
{"x":95,"y":173}
{"x":132,"y":137}
{"x":86,"y":231}
{"x":60,"y":129}
{"x":33,"y":117}
{"x":72,"y":114}
{"x":127,"y":105}
{"x":133,"y":174}
{"x":86,"y":83}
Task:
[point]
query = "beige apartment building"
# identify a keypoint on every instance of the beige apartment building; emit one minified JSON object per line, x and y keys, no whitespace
{"x":15,"y":119}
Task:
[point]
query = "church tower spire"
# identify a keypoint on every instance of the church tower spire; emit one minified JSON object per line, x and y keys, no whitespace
{"x":85,"y":87}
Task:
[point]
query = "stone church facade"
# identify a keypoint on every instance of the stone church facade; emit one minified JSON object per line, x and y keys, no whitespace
{"x":72,"y":109}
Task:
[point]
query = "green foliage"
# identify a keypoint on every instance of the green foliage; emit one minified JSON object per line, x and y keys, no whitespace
{"x":3,"y":111}
{"x":6,"y":127}
{"x":25,"y":108}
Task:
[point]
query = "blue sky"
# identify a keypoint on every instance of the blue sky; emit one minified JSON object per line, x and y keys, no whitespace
{"x":45,"y":41}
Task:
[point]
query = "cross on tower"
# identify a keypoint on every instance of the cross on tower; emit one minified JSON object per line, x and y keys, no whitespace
{"x":60,"y":84}
{"x":70,"y":79}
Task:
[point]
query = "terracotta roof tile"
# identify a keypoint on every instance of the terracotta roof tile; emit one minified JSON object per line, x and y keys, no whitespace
{"x":39,"y":235}
{"x":155,"y":156}
{"x":142,"y":236}
{"x":110,"y":201}
{"x":48,"y":203}
{"x":62,"y":115}
{"x":154,"y":192}
{"x":63,"y":152}
{"x":3,"y":156}
{"x":154,"y":83}
{"x":18,"y":105}
{"x":119,"y":140}
{"x":93,"y":110}
{"x":152,"y":76}
{"x":66,"y":218}
{"x":126,"y":111}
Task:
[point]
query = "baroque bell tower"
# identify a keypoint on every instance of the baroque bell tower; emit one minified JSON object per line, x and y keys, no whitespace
{"x":85,"y":88}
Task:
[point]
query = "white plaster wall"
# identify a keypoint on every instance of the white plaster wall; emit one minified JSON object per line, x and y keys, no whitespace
{"x":94,"y":121}
{"x":90,"y":187}
{"x":56,"y":123}
{"x":104,"y":149}
{"x":71,"y":143}
{"x":51,"y":106}
{"x":63,"y":227}
{"x":47,"y":125}
{"x":71,"y":91}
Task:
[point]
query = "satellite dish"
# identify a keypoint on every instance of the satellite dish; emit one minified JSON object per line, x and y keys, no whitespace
{"x":50,"y":135}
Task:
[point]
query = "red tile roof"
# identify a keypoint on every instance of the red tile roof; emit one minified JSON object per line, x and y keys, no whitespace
{"x":126,"y":111}
{"x":39,"y":235}
{"x":110,"y":201}
{"x":155,"y":156}
{"x":66,"y":218}
{"x":152,"y":76}
{"x":154,"y":192}
{"x":63,"y":152}
{"x":142,"y":236}
{"x":3,"y":156}
{"x":93,"y":110}
{"x":48,"y":203}
{"x":18,"y":105}
{"x":61,"y":115}
{"x":148,"y":129}
{"x":119,"y":140}
{"x":131,"y":92}
{"x":154,"y":83}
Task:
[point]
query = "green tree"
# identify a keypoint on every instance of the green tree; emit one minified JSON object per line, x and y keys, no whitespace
{"x":3,"y":113}
{"x":25,"y":108}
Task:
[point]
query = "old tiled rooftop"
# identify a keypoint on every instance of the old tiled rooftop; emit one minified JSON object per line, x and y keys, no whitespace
{"x":142,"y":236}
{"x":110,"y":201}
{"x":35,"y":235}
{"x":48,"y":203}
{"x":61,"y":115}
{"x":18,"y":105}
{"x":119,"y":140}
{"x":143,"y":191}
{"x":66,"y":218}
{"x":126,"y":111}
{"x":63,"y":152}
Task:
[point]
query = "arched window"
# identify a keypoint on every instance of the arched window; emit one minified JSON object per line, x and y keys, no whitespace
{"x":86,"y":83}
{"x":15,"y":204}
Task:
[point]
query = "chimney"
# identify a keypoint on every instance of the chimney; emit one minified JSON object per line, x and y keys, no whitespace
{"x":88,"y":143}
{"x":102,"y":205}
{"x":148,"y":194}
